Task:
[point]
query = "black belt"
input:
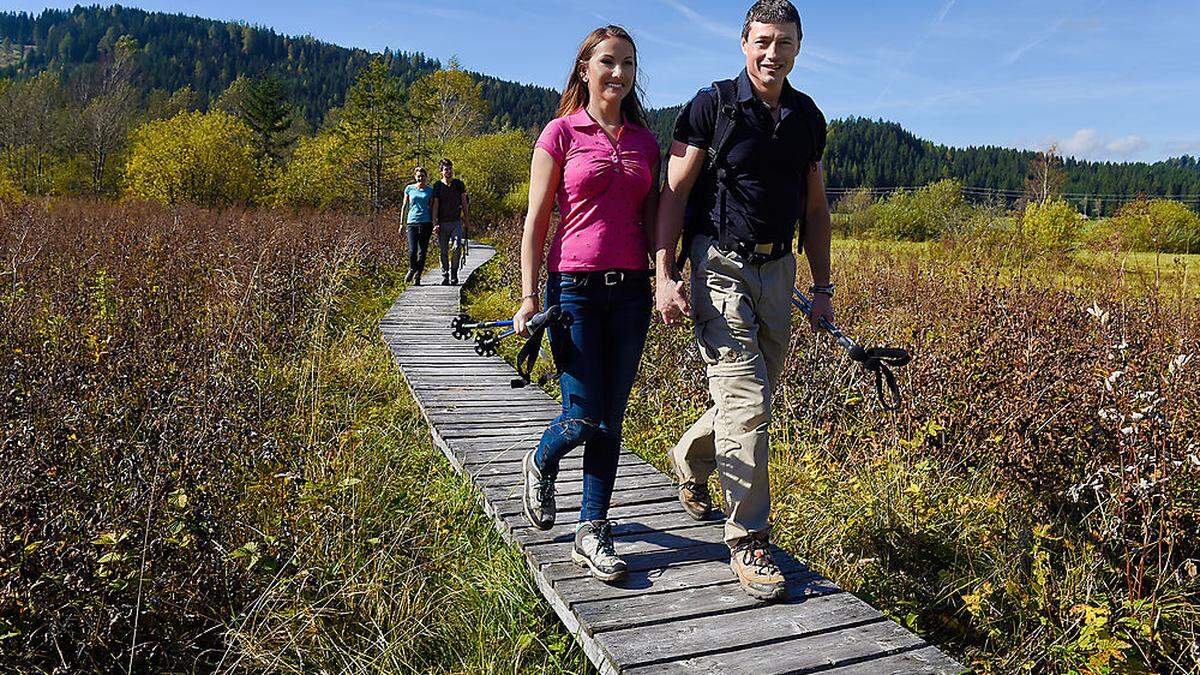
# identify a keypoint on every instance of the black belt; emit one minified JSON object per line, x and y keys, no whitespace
{"x":605,"y":278}
{"x":755,"y":254}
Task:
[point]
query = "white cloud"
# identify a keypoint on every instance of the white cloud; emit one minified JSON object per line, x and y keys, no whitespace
{"x":1016,"y":54}
{"x":1090,"y":144}
{"x":719,"y":28}
{"x":1184,"y":148}
{"x":945,"y":10}
{"x":1129,"y":145}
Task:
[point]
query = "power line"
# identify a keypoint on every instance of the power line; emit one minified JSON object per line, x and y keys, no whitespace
{"x":1014,"y":193}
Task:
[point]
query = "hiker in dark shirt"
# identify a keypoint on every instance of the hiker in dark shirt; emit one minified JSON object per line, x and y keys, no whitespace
{"x":453,"y":211}
{"x":745,"y":166}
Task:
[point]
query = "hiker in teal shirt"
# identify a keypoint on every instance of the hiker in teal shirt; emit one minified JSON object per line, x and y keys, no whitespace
{"x":419,"y":211}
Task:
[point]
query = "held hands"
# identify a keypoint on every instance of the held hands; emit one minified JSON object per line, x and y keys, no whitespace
{"x":822,"y":308}
{"x":671,"y":301}
{"x":529,"y":307}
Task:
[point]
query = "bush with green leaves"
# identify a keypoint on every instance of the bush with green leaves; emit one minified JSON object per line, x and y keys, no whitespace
{"x":317,"y":175}
{"x":196,"y":158}
{"x":921,"y":215}
{"x":9,"y":190}
{"x":854,"y":212}
{"x":1161,"y":225}
{"x":1051,"y":226}
{"x":494,"y":167}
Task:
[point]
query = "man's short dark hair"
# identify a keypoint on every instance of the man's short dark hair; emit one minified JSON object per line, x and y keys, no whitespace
{"x":445,"y":163}
{"x":772,"y":11}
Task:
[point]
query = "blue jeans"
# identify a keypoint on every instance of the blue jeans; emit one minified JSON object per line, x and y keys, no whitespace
{"x":598,"y":355}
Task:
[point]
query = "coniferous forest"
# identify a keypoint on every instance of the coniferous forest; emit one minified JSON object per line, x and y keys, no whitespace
{"x":202,"y":56}
{"x":180,"y":51}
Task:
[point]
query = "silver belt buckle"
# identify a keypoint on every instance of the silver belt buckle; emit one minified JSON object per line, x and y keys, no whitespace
{"x":613,"y":277}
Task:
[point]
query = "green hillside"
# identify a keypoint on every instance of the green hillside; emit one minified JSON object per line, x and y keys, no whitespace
{"x":184,"y":51}
{"x":177,"y":51}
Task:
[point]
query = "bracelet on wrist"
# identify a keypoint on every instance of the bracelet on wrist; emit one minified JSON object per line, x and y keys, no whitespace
{"x":823,"y":289}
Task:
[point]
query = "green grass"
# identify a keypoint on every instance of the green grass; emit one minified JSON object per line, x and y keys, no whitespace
{"x":1171,"y":274}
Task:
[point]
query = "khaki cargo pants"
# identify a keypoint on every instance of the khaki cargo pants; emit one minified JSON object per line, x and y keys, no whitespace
{"x":742,"y":317}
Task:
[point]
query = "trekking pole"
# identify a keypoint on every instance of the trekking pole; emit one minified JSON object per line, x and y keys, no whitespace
{"x":879,"y":360}
{"x":462,"y":327}
{"x":527,"y":357}
{"x":487,"y":343}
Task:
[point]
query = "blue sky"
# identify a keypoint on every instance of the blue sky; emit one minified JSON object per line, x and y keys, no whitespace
{"x":1105,"y":79}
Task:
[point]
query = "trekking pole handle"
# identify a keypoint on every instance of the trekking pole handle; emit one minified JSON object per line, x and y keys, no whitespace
{"x":537,"y":321}
{"x":801,"y":302}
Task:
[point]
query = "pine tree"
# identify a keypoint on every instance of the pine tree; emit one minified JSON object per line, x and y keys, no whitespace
{"x":370,"y":128}
{"x":265,"y":110}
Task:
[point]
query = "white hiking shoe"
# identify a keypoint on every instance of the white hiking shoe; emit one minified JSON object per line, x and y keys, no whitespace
{"x":538,"y":494}
{"x":593,"y":550}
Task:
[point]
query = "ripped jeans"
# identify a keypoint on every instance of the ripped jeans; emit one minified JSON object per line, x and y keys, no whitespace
{"x":598,"y":355}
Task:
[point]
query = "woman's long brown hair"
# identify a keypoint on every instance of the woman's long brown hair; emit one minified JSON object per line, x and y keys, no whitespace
{"x":575,"y":96}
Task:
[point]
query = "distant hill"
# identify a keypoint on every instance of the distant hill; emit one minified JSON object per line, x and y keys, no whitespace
{"x":207,"y":55}
{"x":862,"y":152}
{"x":185,"y":51}
{"x":875,"y":153}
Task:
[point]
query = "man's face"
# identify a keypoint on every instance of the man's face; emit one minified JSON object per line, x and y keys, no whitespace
{"x":447,"y":173}
{"x":771,"y":50}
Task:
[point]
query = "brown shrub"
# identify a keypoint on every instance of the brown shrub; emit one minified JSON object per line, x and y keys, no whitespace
{"x":140,"y":426}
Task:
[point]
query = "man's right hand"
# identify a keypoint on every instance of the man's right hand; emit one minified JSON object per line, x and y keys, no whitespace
{"x":529,"y":307}
{"x":671,"y":300}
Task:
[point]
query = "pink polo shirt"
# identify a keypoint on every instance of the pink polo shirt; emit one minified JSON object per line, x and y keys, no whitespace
{"x":600,"y":195}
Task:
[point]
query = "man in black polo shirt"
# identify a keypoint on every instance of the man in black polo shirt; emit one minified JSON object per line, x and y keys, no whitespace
{"x":453,"y":209}
{"x":744,"y":170}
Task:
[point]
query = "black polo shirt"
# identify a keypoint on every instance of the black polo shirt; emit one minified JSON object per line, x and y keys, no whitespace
{"x":766,"y":163}
{"x":449,"y":199}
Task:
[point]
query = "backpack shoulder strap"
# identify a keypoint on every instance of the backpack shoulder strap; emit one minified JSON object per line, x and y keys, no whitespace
{"x":727,"y":114}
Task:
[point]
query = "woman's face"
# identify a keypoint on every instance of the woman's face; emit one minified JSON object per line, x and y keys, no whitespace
{"x":611,"y":71}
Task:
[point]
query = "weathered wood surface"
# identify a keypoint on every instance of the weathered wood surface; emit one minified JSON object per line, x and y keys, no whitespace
{"x":680,"y":610}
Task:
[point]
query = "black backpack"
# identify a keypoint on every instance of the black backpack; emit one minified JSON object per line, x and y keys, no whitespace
{"x":726,"y":122}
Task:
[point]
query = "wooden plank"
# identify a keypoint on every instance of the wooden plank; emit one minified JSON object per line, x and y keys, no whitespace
{"x":514,"y":476}
{"x":631,"y":543}
{"x":569,"y":493}
{"x":564,"y":532}
{"x":518,"y":427}
{"x":659,"y":583}
{"x":804,"y":632}
{"x":568,"y":508}
{"x":713,"y":592}
{"x":571,"y":516}
{"x":845,"y":648}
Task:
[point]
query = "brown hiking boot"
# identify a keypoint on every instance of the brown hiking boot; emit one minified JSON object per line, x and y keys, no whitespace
{"x":695,"y":497}
{"x":756,"y":571}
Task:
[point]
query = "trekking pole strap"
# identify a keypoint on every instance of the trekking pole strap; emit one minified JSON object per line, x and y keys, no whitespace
{"x":527,"y":357}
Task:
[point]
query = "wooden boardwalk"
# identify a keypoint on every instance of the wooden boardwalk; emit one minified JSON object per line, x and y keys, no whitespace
{"x":680,"y":610}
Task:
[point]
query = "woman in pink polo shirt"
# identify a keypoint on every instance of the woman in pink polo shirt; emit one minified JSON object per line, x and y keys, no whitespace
{"x":600,"y":163}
